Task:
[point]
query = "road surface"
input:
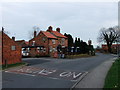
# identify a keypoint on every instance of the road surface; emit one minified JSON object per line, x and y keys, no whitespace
{"x":51,"y":73}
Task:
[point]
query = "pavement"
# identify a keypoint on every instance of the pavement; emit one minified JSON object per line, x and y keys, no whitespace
{"x":96,"y":78}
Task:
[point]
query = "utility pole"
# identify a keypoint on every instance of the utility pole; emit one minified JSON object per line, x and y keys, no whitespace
{"x":2,"y":43}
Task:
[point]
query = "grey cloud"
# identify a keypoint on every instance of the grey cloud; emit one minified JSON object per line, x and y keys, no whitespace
{"x":80,"y":19}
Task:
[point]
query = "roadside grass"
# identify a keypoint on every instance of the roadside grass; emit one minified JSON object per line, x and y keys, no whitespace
{"x":12,"y":65}
{"x":77,"y":56}
{"x":113,"y":76}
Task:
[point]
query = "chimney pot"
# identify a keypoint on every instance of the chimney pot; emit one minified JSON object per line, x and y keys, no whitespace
{"x":58,"y":29}
{"x":89,"y":42}
{"x":35,"y":33}
{"x":13,"y":38}
{"x":49,"y":28}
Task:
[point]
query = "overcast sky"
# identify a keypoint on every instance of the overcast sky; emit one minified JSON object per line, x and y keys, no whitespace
{"x":80,"y":19}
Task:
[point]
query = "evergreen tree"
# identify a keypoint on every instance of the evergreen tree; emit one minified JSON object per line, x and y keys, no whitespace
{"x":83,"y":47}
{"x":70,"y":39}
{"x":76,"y":42}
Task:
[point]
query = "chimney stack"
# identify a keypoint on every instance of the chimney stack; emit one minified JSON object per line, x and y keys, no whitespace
{"x":89,"y":42}
{"x":35,"y":33}
{"x":49,"y":29}
{"x":13,"y":38}
{"x":58,"y":30}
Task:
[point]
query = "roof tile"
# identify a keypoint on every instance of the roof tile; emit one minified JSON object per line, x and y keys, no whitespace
{"x":48,"y":34}
{"x":56,"y":33}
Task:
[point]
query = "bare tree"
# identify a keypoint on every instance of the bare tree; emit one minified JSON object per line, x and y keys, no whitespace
{"x":31,"y":33}
{"x":109,"y":36}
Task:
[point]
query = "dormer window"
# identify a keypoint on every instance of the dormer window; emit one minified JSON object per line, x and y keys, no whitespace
{"x":33,"y":43}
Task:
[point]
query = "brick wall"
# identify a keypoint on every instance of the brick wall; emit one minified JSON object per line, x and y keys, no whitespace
{"x":65,"y":42}
{"x":51,"y":48}
{"x":39,"y":42}
{"x":48,"y":43}
{"x":10,"y":56}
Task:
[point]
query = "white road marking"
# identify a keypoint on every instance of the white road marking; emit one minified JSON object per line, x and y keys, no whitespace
{"x":73,"y":80}
{"x":20,"y":73}
{"x":49,"y":73}
{"x":6,"y":71}
{"x":29,"y":75}
{"x":53,"y":78}
{"x":50,"y":77}
{"x":80,"y":78}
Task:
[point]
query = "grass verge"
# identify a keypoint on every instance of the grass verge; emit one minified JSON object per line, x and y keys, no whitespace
{"x":12,"y":65}
{"x":77,"y":56}
{"x":113,"y":76}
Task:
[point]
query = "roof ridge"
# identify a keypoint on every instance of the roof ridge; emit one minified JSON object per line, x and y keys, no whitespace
{"x":58,"y":34}
{"x":52,"y":36}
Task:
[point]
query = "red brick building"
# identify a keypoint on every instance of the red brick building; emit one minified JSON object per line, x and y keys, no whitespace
{"x":114,"y":47}
{"x":22,"y":43}
{"x":46,"y":42}
{"x":11,"y":52}
{"x":24,"y":47}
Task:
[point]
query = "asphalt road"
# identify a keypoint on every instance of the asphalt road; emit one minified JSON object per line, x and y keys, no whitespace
{"x":54,"y":68}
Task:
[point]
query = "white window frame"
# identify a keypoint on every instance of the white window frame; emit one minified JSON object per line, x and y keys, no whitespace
{"x":63,"y":41}
{"x":44,"y":39}
{"x":33,"y":43}
{"x":13,"y":48}
{"x":51,"y":48}
{"x":44,"y":50}
{"x":53,"y":41}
